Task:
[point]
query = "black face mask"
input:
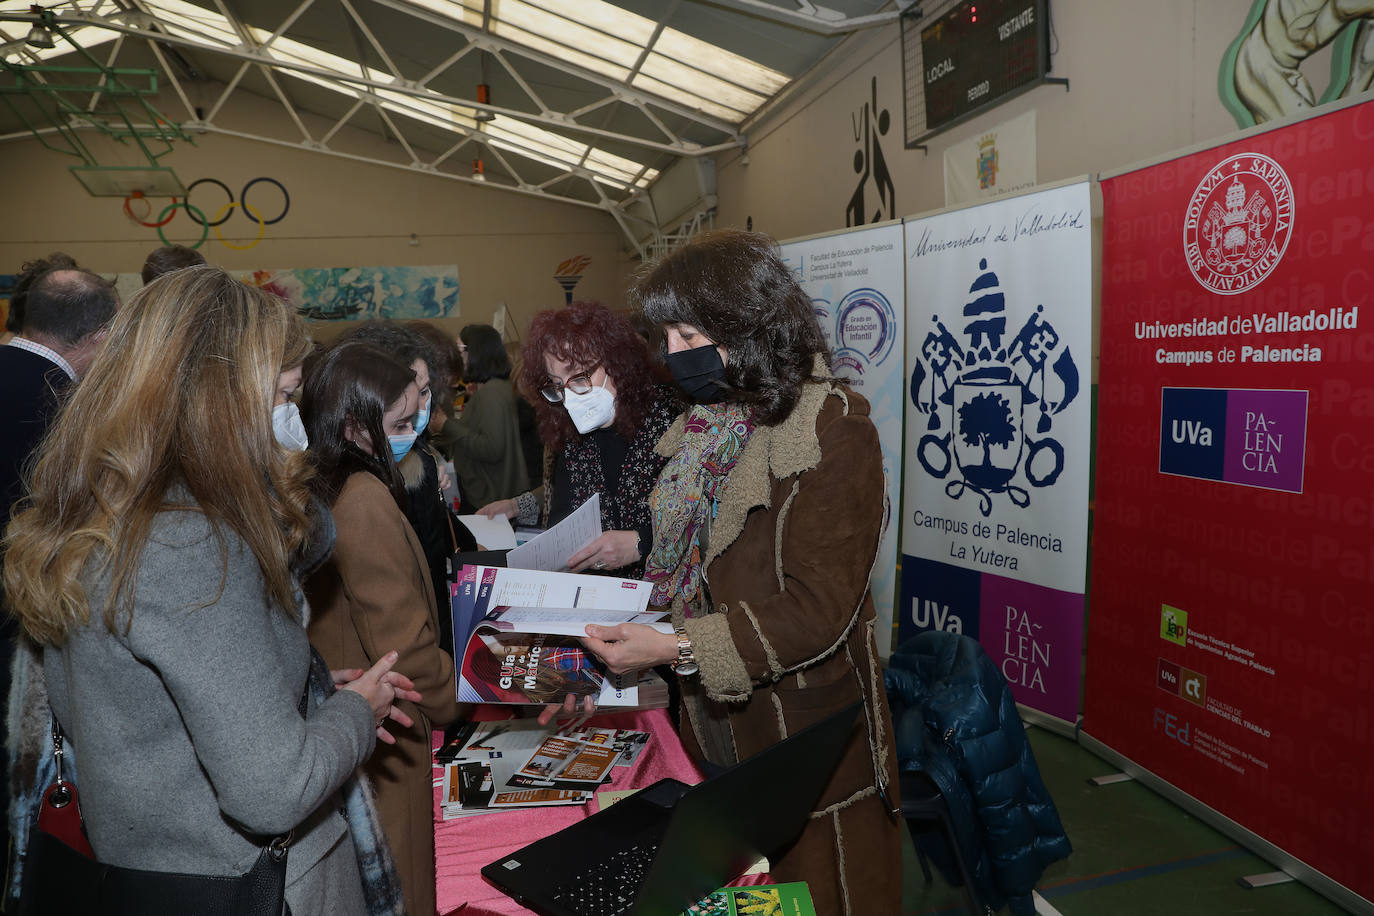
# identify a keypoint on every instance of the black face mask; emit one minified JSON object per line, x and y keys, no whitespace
{"x":699,"y":372}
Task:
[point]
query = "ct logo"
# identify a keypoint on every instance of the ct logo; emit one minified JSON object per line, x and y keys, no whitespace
{"x":1238,"y":223}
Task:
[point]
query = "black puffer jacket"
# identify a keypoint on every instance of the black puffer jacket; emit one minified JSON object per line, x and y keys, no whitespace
{"x":955,"y":719}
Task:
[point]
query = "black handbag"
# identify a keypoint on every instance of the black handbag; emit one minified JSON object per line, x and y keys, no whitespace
{"x":61,"y":880}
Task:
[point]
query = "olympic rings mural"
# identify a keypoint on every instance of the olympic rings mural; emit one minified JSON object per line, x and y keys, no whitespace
{"x":222,"y":215}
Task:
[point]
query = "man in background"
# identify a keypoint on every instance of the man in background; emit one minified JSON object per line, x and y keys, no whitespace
{"x":65,"y":313}
{"x":168,"y":258}
{"x":28,"y":272}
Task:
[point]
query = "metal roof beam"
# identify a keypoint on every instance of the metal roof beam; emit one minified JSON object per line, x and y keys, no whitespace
{"x":496,"y":42}
{"x":288,"y":22}
{"x":552,"y":120}
{"x":371,"y":39}
{"x":172,"y":78}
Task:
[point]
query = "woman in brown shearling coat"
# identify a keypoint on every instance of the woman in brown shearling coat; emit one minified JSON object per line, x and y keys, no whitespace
{"x":767,"y":520}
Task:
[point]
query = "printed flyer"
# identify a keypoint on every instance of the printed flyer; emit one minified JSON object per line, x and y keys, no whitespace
{"x":792,"y":899}
{"x":998,"y":434}
{"x":1231,"y":638}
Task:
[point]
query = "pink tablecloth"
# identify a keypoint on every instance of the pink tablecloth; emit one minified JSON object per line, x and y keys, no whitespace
{"x":463,"y":846}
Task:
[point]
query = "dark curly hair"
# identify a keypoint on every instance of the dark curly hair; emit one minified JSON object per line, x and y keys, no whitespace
{"x":734,"y":288}
{"x":402,"y":343}
{"x":586,"y":334}
{"x":446,"y":373}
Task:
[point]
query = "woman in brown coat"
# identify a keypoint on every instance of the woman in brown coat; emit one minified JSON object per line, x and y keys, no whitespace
{"x":767,"y":520}
{"x":374,"y":593}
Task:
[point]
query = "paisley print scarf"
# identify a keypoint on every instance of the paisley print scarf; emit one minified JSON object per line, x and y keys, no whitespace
{"x":684,"y":501}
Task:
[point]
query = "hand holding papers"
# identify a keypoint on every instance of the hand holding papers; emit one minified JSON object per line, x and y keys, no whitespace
{"x":550,"y":550}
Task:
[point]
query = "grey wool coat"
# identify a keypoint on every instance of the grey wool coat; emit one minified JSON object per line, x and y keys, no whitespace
{"x":789,"y":637}
{"x":188,"y":742}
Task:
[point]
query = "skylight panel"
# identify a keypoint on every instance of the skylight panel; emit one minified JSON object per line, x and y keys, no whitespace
{"x":562,"y":52}
{"x":605,"y":17}
{"x":611,"y":162}
{"x":689,"y":99}
{"x":200,"y":23}
{"x":468,"y":12}
{"x":568,"y":32}
{"x":702,"y":85}
{"x":712,"y":59}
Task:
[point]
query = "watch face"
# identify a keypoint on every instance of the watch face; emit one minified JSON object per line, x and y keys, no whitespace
{"x":685,"y":669}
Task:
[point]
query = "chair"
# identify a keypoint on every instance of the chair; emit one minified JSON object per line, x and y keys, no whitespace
{"x":923,"y":806}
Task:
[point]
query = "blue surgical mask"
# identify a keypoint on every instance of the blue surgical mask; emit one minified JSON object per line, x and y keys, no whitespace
{"x":422,"y":418}
{"x":400,"y":445}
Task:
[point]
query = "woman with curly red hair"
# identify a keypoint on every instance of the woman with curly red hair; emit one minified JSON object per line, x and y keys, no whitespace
{"x":601,"y":411}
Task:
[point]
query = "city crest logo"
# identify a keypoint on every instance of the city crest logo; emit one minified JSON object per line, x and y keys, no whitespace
{"x":987,"y":161}
{"x":991,"y":404}
{"x":1238,"y":223}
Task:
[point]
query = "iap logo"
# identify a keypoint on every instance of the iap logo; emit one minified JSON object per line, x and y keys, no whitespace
{"x":982,"y":396}
{"x":1173,"y":625}
{"x":1238,"y":223}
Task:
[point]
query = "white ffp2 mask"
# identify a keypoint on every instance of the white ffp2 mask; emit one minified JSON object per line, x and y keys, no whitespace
{"x":590,"y":411}
{"x":288,"y":428}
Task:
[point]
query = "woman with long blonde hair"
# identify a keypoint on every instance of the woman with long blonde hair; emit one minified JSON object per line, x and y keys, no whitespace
{"x":154,"y":566}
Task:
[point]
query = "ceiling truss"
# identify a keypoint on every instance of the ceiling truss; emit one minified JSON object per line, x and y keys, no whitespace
{"x":384,"y":93}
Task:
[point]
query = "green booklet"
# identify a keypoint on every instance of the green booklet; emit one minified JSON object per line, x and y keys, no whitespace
{"x":762,"y":900}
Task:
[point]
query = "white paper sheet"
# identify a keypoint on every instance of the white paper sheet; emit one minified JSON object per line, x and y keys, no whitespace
{"x":491,"y":533}
{"x":536,"y":588}
{"x":550,"y":551}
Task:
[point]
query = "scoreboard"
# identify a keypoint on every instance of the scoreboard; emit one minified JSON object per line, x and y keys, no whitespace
{"x":975,"y":55}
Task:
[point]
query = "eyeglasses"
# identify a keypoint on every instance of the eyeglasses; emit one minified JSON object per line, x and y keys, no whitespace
{"x":578,"y":384}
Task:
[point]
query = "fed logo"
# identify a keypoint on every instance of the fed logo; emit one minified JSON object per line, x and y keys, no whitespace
{"x":1238,"y":223}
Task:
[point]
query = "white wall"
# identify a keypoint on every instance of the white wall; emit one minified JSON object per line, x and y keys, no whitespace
{"x":1143,"y":82}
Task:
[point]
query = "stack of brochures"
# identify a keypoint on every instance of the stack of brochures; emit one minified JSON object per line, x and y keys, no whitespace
{"x":516,"y":634}
{"x":518,"y":763}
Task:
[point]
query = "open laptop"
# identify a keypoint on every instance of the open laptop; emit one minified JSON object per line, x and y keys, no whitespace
{"x":664,"y":848}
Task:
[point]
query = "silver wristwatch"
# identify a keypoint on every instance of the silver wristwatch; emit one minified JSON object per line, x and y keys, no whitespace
{"x":686,"y":664}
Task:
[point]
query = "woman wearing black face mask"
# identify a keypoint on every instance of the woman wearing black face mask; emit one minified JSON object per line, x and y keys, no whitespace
{"x":767,"y":520}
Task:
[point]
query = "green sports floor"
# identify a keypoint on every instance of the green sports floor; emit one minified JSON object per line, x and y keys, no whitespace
{"x":1134,"y":854}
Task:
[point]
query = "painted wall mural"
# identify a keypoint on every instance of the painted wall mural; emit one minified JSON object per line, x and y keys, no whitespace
{"x":361,"y":293}
{"x":874,"y":193}
{"x":1261,"y":75}
{"x":348,"y":293}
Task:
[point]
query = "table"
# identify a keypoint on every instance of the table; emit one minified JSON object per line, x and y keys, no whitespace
{"x":463,"y":846}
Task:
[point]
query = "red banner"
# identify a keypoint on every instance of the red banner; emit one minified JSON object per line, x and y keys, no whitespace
{"x":1231,"y":636}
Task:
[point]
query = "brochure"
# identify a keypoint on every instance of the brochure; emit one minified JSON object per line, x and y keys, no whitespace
{"x":793,"y":899}
{"x":565,"y":762}
{"x":534,"y":655}
{"x":470,"y":787}
{"x":519,"y":763}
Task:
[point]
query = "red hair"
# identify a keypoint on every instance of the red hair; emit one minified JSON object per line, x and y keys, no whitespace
{"x":583,"y":335}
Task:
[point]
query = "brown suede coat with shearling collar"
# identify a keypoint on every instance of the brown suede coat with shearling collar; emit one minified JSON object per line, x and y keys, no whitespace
{"x":790,"y":636}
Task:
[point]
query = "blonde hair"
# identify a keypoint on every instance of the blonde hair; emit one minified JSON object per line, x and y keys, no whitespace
{"x":296,"y":346}
{"x":180,"y":396}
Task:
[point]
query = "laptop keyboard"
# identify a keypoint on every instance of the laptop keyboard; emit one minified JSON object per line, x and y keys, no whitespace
{"x":608,"y":887}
